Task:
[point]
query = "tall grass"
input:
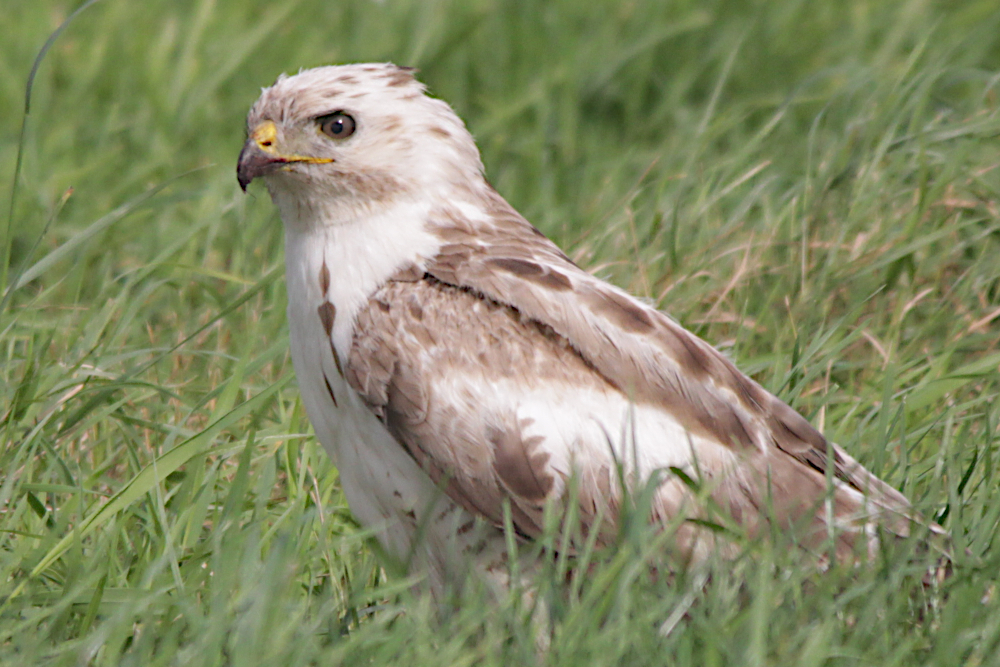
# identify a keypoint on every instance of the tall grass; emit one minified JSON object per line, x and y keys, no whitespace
{"x":813,"y":187}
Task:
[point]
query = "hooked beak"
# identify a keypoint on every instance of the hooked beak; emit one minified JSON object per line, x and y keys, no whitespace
{"x":254,"y":162}
{"x":260,"y":157}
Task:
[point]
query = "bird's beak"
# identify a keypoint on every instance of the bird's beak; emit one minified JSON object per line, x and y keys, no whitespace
{"x":260,"y":156}
{"x":253,"y":163}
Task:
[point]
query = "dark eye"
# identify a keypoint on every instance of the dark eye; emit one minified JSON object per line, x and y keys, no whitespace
{"x":337,"y":125}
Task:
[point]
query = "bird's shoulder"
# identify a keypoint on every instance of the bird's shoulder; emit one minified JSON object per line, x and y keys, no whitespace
{"x":417,"y":332}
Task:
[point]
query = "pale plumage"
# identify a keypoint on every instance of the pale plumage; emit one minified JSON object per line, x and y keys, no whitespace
{"x":452,"y":358}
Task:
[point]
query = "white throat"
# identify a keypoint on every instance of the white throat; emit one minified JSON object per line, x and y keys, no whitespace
{"x":359,"y":256}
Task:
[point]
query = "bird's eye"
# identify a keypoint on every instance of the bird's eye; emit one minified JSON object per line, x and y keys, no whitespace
{"x":337,"y":125}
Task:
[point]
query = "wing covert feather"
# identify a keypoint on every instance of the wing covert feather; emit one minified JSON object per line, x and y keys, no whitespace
{"x":500,"y":305}
{"x":642,"y":350}
{"x":443,"y":370}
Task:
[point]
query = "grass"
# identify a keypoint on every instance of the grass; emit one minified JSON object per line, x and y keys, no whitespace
{"x":813,"y":187}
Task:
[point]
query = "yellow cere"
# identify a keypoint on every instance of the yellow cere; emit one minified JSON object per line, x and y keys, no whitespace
{"x":265,"y":135}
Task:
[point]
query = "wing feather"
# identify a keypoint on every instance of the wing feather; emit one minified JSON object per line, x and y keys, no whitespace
{"x":501,"y":316}
{"x":643,"y":351}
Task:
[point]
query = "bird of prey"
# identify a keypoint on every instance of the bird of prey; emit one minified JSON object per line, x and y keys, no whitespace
{"x":465,"y":375}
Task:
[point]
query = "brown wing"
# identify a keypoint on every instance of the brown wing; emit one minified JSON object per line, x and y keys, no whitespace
{"x":446,"y":371}
{"x":645,"y":353}
{"x":501,"y":301}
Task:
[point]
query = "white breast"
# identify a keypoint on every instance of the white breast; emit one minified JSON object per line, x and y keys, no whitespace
{"x":385,"y":488}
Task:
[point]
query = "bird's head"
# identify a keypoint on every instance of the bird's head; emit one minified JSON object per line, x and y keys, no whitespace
{"x":354,"y":138}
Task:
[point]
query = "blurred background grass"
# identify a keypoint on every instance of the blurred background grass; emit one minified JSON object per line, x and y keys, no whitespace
{"x":813,"y":187}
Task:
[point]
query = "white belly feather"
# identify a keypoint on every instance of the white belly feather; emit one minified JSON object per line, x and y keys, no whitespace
{"x":386,"y":490}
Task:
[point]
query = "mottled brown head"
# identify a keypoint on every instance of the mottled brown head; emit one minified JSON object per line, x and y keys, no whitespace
{"x":353,"y":135}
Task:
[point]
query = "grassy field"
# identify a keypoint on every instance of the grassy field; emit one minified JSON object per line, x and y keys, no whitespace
{"x":812,"y":187}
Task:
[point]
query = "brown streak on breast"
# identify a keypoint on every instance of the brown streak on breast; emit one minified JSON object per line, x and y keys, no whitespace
{"x":336,"y":359}
{"x":327,"y":315}
{"x":324,"y":279}
{"x":329,"y":390}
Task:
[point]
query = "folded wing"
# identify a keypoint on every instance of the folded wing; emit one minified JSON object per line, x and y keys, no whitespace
{"x":508,"y":372}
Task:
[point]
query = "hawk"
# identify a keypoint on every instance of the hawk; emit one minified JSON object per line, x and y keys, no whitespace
{"x":463,"y":372}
